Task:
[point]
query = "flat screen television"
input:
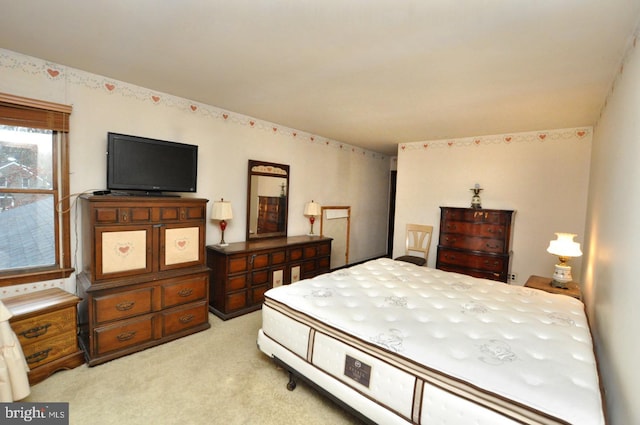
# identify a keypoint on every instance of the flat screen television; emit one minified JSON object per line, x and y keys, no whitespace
{"x":150,"y":166}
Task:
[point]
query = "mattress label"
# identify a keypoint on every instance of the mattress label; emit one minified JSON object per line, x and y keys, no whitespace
{"x":358,"y":371}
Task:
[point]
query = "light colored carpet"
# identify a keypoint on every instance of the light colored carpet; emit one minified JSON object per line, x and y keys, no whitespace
{"x":217,"y":376}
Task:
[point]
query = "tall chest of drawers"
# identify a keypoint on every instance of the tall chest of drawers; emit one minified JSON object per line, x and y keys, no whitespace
{"x":145,"y":279}
{"x":476,"y":242}
{"x":243,"y":271}
{"x":46,"y":325}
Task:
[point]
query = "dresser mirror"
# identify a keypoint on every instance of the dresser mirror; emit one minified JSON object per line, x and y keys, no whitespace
{"x":267,"y":200}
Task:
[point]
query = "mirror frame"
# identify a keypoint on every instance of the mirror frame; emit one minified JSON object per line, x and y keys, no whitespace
{"x":269,"y":169}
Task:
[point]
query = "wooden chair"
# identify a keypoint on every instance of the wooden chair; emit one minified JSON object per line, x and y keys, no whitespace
{"x":418,"y":241}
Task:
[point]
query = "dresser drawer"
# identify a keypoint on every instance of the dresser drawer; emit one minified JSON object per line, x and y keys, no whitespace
{"x":472,"y":243}
{"x":260,"y":277}
{"x":308,"y":267}
{"x":183,"y":291}
{"x":113,"y":215}
{"x":45,"y":326}
{"x":178,"y":212}
{"x":186,"y":317}
{"x":235,"y":283}
{"x":46,"y":350}
{"x":124,"y":334}
{"x":278,"y":257}
{"x":236,"y":300}
{"x":324,"y":249}
{"x":123,"y":305}
{"x":259,"y":261}
{"x":474,"y":229}
{"x":501,"y":276}
{"x":295,"y":254}
{"x":257,"y":294}
{"x":471,"y":261}
{"x":476,"y":216}
{"x":310,"y":251}
{"x":324,"y":264}
{"x":238,"y":264}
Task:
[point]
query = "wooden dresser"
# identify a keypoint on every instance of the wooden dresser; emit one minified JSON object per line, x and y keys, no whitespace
{"x":145,"y":281}
{"x":242,"y":272}
{"x":46,"y":325}
{"x":476,"y":242}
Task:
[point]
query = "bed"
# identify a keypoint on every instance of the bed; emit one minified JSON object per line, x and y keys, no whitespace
{"x":403,"y":344}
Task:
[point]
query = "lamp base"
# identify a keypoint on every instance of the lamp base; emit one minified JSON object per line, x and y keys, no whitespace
{"x":223,"y":244}
{"x":561,"y":276}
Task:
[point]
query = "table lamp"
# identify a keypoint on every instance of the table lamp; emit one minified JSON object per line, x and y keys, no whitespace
{"x":311,"y":210}
{"x":564,"y":247}
{"x":221,"y":211}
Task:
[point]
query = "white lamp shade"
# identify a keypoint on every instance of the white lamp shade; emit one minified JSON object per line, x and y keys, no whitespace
{"x":312,"y":209}
{"x":564,"y":246}
{"x":221,"y":210}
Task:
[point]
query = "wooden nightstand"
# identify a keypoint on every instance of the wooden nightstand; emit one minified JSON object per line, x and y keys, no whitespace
{"x":45,"y":323}
{"x":544,"y":283}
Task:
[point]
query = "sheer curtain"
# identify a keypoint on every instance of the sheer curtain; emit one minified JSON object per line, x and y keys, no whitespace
{"x":14,"y":383}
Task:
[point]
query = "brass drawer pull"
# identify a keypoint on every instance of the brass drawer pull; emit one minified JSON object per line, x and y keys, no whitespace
{"x":126,"y":336}
{"x":493,"y":246}
{"x":36,"y":332}
{"x":39,"y":356}
{"x":185,"y":292}
{"x":125,"y":306}
{"x":186,"y":318}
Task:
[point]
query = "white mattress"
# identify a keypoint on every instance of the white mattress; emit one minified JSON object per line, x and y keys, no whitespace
{"x":440,"y":345}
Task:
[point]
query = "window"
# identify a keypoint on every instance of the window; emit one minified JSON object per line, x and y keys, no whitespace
{"x":34,"y":189}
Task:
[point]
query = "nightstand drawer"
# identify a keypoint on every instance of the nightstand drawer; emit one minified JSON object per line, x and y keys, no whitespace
{"x":48,"y":325}
{"x":47,"y":350}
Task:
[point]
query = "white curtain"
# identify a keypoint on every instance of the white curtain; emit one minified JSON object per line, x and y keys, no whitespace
{"x":14,"y":382}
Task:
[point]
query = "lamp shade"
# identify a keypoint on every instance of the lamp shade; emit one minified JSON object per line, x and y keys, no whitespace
{"x":221,"y":210}
{"x":564,"y":246}
{"x":312,"y":209}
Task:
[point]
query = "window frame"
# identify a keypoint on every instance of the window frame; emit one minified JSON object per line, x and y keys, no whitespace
{"x":25,"y":112}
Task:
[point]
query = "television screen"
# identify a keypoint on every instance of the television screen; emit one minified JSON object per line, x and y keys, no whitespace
{"x":142,"y":164}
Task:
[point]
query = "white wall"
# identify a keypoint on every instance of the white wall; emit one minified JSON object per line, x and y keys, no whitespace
{"x":541,"y":175}
{"x":611,"y":274}
{"x":330,"y":172}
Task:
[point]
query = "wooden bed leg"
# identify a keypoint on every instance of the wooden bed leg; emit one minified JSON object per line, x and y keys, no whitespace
{"x":291,"y":385}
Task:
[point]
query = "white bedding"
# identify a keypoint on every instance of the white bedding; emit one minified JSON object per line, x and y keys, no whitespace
{"x":481,"y":342}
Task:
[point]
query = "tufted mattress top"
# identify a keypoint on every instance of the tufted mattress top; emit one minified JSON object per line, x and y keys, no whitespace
{"x":520,"y":344}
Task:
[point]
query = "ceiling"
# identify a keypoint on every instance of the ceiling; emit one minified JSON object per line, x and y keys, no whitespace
{"x":371,"y":73}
